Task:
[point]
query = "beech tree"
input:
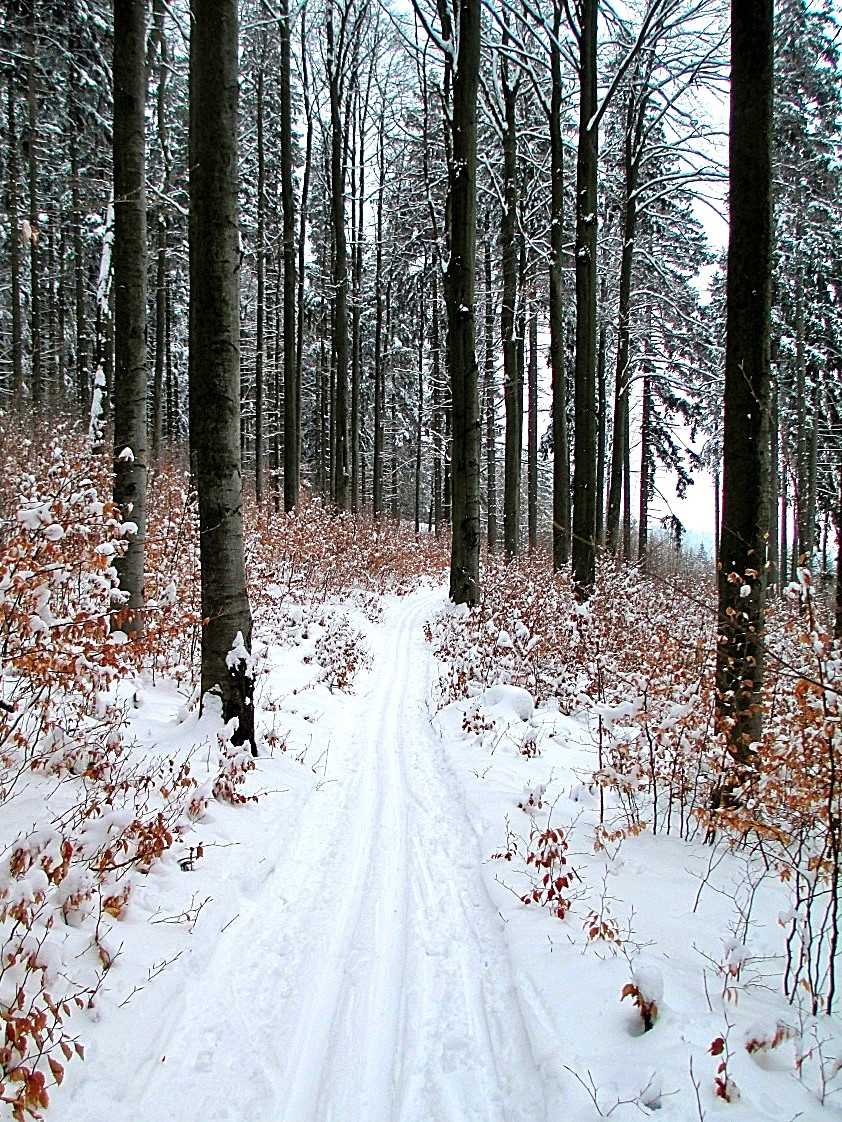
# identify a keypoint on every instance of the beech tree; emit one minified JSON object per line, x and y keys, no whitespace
{"x":745,"y":445}
{"x":215,"y":362}
{"x":584,"y":453}
{"x":129,"y":262}
{"x":461,"y":353}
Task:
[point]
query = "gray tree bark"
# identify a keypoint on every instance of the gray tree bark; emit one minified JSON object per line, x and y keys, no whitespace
{"x":12,"y":173}
{"x":584,"y":438}
{"x":461,"y":356}
{"x":532,"y":432}
{"x":214,"y":367}
{"x":512,"y":368}
{"x":292,"y":421}
{"x":490,"y":400}
{"x":260,"y":311}
{"x":561,"y":452}
{"x":129,"y":264}
{"x":339,"y":444}
{"x":745,"y":488}
{"x":36,"y":376}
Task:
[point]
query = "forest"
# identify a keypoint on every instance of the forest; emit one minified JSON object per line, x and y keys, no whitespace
{"x":420,"y":560}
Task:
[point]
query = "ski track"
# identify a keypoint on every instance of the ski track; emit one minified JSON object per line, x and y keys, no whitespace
{"x":368,"y":979}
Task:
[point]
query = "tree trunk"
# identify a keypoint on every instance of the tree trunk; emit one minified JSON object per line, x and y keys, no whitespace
{"x":379,"y":372}
{"x":83,"y":377}
{"x":745,"y":489}
{"x":302,"y":244}
{"x":512,"y":370}
{"x":584,"y":451}
{"x":561,"y":453}
{"x":420,"y":413}
{"x":395,"y":504}
{"x":51,"y":381}
{"x":602,"y":434}
{"x":260,"y":318}
{"x":292,"y":415}
{"x":160,"y":336}
{"x":13,"y":172}
{"x":215,"y":361}
{"x":438,"y":436}
{"x":811,"y":514}
{"x":173,"y":426}
{"x":340,"y":274}
{"x":646,"y":470}
{"x":532,"y":434}
{"x":357,"y":220}
{"x":774,"y":494}
{"x":161,"y":279}
{"x":462,"y":363}
{"x":621,"y":377}
{"x":837,"y":622}
{"x":36,"y":373}
{"x":129,"y":264}
{"x":490,"y":403}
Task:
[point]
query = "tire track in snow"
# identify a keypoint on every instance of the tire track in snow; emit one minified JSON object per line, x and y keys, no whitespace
{"x":368,"y":980}
{"x":358,"y":998}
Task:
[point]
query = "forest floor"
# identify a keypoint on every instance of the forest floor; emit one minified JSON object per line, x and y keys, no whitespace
{"x":346,"y":949}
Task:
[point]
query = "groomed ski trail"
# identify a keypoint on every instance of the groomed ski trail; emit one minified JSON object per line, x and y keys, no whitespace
{"x":369,"y":980}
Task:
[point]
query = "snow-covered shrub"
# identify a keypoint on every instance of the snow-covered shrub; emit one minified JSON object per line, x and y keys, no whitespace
{"x":552,"y":875}
{"x":106,"y":815}
{"x":638,"y":664}
{"x":314,"y":554}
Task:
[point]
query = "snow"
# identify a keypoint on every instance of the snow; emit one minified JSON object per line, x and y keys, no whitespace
{"x":346,"y":949}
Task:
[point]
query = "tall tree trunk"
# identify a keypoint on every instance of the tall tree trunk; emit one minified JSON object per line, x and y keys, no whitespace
{"x":774,"y":493}
{"x":357,"y":219}
{"x":173,"y":426}
{"x":302,"y":244}
{"x":837,"y":622}
{"x":50,"y":380}
{"x":784,"y":516}
{"x":512,"y":370}
{"x":717,"y":512}
{"x":621,"y":376}
{"x":811,"y":514}
{"x":379,"y":373}
{"x":646,"y":467}
{"x":438,"y":435}
{"x":36,"y":372}
{"x":12,"y":173}
{"x":800,"y":472}
{"x":395,"y":504}
{"x":292,"y":413}
{"x":215,"y":361}
{"x":160,"y":335}
{"x":462,"y":362}
{"x":162,"y":269}
{"x":561,"y":454}
{"x":129,"y":264}
{"x":532,"y":434}
{"x":83,"y":376}
{"x":340,"y":273}
{"x":745,"y":491}
{"x":602,"y":428}
{"x":260,"y":262}
{"x":61,"y":311}
{"x":490,"y":398}
{"x":420,"y":412}
{"x":584,"y":452}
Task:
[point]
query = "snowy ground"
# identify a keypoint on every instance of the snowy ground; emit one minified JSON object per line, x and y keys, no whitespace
{"x":360,"y":958}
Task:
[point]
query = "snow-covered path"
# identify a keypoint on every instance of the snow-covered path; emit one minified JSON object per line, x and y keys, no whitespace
{"x":368,"y":980}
